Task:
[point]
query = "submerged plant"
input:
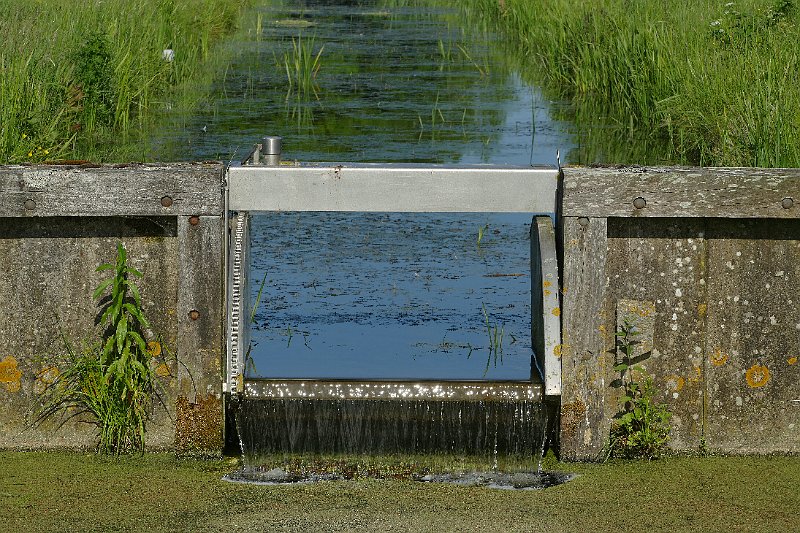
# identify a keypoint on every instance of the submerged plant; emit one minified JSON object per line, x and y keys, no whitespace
{"x":641,"y":429}
{"x":112,"y":380}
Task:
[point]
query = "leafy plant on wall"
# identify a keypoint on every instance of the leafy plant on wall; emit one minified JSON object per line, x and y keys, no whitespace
{"x":111,"y":379}
{"x":641,"y":429}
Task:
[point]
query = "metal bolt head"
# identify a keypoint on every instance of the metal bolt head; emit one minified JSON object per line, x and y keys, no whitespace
{"x":787,"y":202}
{"x":30,"y":205}
{"x":583,"y":222}
{"x":639,"y":203}
{"x":194,"y":220}
{"x":194,"y":314}
{"x":166,"y":201}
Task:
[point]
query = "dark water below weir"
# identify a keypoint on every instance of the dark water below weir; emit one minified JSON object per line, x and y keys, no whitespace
{"x":482,"y":428}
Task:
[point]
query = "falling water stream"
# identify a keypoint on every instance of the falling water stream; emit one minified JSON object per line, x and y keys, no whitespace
{"x":400,"y":301}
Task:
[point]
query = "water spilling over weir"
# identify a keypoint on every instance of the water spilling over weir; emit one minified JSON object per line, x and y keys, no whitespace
{"x":483,"y":420}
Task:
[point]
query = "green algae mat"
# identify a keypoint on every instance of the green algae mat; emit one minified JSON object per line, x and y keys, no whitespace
{"x":49,"y":491}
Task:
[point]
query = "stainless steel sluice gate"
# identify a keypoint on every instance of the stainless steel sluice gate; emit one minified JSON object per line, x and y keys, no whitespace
{"x":264,"y":183}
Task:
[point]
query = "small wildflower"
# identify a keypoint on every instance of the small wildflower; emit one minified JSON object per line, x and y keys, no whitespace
{"x":46,"y":152}
{"x":24,"y":135}
{"x":30,"y":154}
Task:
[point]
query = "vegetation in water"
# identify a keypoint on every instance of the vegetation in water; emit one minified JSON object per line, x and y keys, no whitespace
{"x":707,"y":82}
{"x":495,"y":334}
{"x":641,"y":429}
{"x":302,"y":66}
{"x":84,"y":80}
{"x":113,"y":380}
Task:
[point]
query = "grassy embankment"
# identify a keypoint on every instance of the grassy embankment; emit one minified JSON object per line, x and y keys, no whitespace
{"x":704,"y":82}
{"x":75,"y":492}
{"x":81,"y":80}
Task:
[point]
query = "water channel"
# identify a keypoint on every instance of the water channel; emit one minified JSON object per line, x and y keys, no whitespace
{"x":382,"y":296}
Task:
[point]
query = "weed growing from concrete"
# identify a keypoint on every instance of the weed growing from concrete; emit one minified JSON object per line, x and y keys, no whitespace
{"x":112,"y":380}
{"x":641,"y":429}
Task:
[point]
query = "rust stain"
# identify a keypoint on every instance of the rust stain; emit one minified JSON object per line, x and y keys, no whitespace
{"x":10,"y":375}
{"x":572,"y":414}
{"x":198,"y":426}
{"x":757,"y":376}
{"x":719,"y":358}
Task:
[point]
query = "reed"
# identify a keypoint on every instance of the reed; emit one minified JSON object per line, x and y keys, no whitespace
{"x":704,"y":82}
{"x":302,"y":66}
{"x":81,"y":79}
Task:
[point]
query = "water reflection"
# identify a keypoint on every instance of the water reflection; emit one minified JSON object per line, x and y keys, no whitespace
{"x":383,"y":295}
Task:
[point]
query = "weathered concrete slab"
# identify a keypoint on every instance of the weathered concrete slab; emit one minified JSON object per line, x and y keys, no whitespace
{"x":57,"y":224}
{"x":586,"y":339}
{"x":47,"y":283}
{"x":546,"y":304}
{"x":725,"y":331}
{"x":753,"y":336}
{"x":682,"y":192}
{"x":111,"y":190}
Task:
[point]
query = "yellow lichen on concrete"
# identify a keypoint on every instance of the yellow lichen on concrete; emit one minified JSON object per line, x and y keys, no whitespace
{"x":675,"y":382}
{"x":757,"y":376}
{"x":792,"y":360}
{"x":154,"y":348}
{"x":718,"y":358}
{"x":163,"y":371}
{"x":46,"y":377}
{"x":556,"y":311}
{"x":10,"y":375}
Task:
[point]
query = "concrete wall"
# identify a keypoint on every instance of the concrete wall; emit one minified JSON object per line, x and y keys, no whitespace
{"x":708,"y":264}
{"x":706,"y":261}
{"x":57,"y":224}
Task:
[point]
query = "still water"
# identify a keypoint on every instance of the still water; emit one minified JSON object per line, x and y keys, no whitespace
{"x":383,"y":296}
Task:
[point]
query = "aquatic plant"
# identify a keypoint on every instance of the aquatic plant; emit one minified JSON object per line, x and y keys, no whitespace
{"x":495,"y":334}
{"x":112,"y":380}
{"x":302,"y":66}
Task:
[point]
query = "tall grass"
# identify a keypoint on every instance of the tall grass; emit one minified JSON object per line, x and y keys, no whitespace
{"x":708,"y":82}
{"x":80,"y":78}
{"x":302,"y":66}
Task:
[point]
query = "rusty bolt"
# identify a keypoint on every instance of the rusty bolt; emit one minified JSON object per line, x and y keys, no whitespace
{"x":30,"y":205}
{"x":639,"y":203}
{"x":194,"y":220}
{"x":787,"y":202}
{"x":194,"y":314}
{"x":166,"y":201}
{"x":583,"y":222}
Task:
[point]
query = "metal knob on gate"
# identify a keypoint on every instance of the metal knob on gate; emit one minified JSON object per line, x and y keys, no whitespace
{"x":268,"y":151}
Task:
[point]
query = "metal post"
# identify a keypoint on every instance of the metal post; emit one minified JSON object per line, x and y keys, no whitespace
{"x":271,"y":150}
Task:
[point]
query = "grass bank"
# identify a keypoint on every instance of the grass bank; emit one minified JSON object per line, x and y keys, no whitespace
{"x":76,"y":492}
{"x":81,"y":80}
{"x":705,"y":82}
